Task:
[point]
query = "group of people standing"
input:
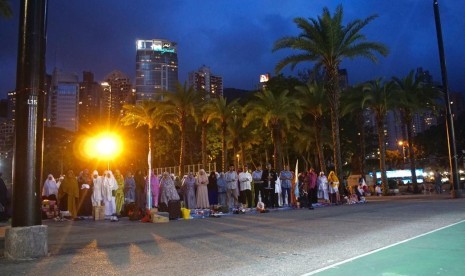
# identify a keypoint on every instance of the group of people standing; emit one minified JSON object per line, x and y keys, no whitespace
{"x":79,"y":194}
{"x":234,"y":188}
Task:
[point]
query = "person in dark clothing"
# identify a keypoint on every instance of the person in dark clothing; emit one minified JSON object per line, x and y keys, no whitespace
{"x":269,"y":177}
{"x":3,"y":199}
{"x":212,"y":189}
{"x":310,"y":181}
{"x":140,"y":190}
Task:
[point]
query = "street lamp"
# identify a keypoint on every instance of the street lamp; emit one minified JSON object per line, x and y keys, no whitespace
{"x":237,"y":155}
{"x":105,"y":146}
{"x":402,"y":144}
{"x":449,"y":120}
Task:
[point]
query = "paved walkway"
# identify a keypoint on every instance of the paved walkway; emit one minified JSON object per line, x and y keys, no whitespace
{"x":439,"y":252}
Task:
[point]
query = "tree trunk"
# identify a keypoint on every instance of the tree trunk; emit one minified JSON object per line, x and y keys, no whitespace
{"x":183,"y":145}
{"x":241,"y":148}
{"x":204,"y":143}
{"x":149,"y":162}
{"x":362,"y":141}
{"x":332,"y":88}
{"x":276,"y":131}
{"x":319,"y":144}
{"x":223,"y":147}
{"x":382,"y":157}
{"x":411,"y":152}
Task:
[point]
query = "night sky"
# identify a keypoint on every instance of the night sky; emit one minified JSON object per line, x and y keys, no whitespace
{"x":234,"y":37}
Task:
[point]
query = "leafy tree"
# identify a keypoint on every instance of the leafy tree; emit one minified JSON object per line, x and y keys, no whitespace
{"x":182,"y":104}
{"x":278,"y":112}
{"x":352,"y":109}
{"x":313,"y":100}
{"x":5,"y":9}
{"x":150,"y":114}
{"x":326,"y":41}
{"x":379,"y":98}
{"x":414,"y":96}
{"x":58,"y":151}
{"x":220,"y":112}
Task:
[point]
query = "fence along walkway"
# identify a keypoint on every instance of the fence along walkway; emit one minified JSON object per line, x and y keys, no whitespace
{"x":187,"y":168}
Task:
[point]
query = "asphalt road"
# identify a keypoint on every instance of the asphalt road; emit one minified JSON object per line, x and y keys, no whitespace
{"x":292,"y":242}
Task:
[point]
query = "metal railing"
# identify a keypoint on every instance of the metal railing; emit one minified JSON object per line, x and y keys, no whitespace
{"x":187,"y":169}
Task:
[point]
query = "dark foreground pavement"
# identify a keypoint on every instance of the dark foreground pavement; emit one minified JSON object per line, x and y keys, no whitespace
{"x":292,"y":242}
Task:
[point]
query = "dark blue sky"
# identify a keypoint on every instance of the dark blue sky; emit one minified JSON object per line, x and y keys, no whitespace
{"x":234,"y":37}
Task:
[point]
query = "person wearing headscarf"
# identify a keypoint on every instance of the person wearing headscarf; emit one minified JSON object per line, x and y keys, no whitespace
{"x":85,"y":194}
{"x":109,"y":192}
{"x":129,"y":188}
{"x":97,"y":191}
{"x":140,"y":190}
{"x":167,"y":189}
{"x":154,"y":188}
{"x":50,"y":189}
{"x":68,"y":194}
{"x":202,"y":190}
{"x":188,"y":187}
{"x":119,"y":196}
{"x":334,"y":187}
{"x":212,"y":189}
{"x":323,"y":187}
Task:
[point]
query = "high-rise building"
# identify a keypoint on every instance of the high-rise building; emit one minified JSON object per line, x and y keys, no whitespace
{"x":89,"y":101}
{"x":117,"y":91}
{"x":204,"y":80}
{"x":156,"y":68}
{"x":63,"y":101}
{"x":11,"y":98}
{"x":7,"y":131}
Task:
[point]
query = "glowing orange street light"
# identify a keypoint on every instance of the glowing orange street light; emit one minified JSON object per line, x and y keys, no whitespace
{"x":105,"y":146}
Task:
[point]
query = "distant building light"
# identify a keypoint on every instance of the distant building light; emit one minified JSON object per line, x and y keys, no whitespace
{"x":264,"y":78}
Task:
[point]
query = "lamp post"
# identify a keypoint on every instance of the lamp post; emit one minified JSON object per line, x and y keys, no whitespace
{"x":449,"y":120}
{"x":27,"y":238}
{"x":237,"y":155}
{"x":401,"y":143}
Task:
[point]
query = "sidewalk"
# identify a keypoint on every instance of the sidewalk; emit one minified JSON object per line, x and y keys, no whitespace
{"x":421,"y":196}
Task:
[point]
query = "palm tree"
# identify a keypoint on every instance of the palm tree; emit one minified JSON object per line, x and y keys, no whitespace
{"x":200,"y":118}
{"x":153,"y":115}
{"x":326,"y":41}
{"x":220,"y":112}
{"x":182,"y":103}
{"x":413,"y":96}
{"x":379,"y":98}
{"x":352,"y":107}
{"x":313,"y":99}
{"x":5,"y":9}
{"x":278,"y":112}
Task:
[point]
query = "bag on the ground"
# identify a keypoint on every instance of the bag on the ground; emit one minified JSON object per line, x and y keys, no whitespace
{"x":135,"y":214}
{"x":303,"y":200}
{"x":129,"y":207}
{"x":174,"y":209}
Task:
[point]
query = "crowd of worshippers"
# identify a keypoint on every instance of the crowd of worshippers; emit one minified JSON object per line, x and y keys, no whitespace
{"x":260,"y":189}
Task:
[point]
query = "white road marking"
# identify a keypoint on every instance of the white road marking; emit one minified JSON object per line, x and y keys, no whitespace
{"x":379,"y":249}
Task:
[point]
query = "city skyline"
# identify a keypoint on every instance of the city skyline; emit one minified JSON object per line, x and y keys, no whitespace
{"x":226,"y":35}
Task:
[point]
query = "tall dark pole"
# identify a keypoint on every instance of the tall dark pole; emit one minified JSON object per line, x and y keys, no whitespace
{"x":449,"y":119}
{"x":30,"y":84}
